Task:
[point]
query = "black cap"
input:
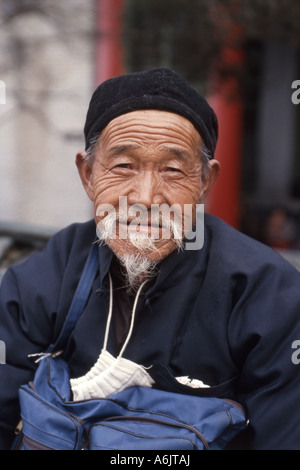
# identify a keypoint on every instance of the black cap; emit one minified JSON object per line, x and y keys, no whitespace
{"x":159,"y":88}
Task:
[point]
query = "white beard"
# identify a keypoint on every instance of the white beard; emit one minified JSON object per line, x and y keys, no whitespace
{"x":138,"y":266}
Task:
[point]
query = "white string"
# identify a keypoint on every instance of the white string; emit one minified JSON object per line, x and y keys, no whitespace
{"x":109,"y":312}
{"x":132,"y":318}
{"x":110,"y":315}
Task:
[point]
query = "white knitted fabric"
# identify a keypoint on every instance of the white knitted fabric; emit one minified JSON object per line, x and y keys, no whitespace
{"x":109,"y":374}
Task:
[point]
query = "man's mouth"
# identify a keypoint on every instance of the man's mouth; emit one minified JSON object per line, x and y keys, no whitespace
{"x":140,"y":227}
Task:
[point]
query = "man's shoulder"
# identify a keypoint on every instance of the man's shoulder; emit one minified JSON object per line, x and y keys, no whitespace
{"x":67,"y":247}
{"x":76,"y":232}
{"x":238,"y":249}
{"x":221,"y":233}
{"x":72,"y":243}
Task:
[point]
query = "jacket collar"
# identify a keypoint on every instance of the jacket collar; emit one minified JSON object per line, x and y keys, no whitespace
{"x":172,"y":270}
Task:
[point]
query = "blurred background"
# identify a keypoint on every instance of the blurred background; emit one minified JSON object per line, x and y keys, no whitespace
{"x":242,"y":55}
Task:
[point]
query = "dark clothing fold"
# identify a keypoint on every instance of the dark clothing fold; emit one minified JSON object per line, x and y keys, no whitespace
{"x":226,"y":314}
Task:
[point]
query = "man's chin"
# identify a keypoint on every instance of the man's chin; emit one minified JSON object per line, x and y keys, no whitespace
{"x":161,"y":249}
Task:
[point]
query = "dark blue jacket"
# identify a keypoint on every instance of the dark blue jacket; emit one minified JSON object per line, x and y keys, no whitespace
{"x":227,"y":314}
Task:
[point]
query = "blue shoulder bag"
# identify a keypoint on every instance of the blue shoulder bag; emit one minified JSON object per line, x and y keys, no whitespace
{"x":137,"y":418}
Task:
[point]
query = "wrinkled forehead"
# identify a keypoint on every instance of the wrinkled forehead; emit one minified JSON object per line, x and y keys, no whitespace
{"x":150,"y":128}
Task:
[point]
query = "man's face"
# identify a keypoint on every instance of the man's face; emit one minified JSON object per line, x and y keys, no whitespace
{"x":150,"y":158}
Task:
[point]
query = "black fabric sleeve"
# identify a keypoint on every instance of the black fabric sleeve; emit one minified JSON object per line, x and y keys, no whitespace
{"x":34,"y":299}
{"x":264,"y":324}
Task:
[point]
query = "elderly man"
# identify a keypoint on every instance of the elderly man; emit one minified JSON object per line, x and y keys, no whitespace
{"x":224,"y":314}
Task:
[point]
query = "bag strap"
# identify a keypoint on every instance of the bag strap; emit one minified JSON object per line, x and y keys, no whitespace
{"x":80,"y":298}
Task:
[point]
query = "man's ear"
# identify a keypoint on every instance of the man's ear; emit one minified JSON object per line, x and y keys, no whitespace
{"x":85,"y":170}
{"x":213,"y":174}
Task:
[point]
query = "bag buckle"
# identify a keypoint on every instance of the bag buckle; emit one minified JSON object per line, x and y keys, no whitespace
{"x":43,"y":355}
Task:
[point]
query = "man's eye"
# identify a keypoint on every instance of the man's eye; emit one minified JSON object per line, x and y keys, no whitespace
{"x":175,"y":171}
{"x":121,"y":166}
{"x":124,"y":165}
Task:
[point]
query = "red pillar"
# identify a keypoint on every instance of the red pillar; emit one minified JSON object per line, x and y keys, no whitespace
{"x":224,"y":198}
{"x":109,"y":50}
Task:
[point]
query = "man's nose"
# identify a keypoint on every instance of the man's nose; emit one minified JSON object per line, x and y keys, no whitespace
{"x":146,"y":190}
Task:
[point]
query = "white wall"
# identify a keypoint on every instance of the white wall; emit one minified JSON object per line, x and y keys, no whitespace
{"x":47,"y":64}
{"x":276,"y":140}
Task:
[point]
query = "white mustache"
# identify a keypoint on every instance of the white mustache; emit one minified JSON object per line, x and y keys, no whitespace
{"x":155,"y":219}
{"x":139,"y":239}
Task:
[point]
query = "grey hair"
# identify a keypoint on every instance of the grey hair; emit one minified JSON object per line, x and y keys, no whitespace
{"x":204,"y":154}
{"x":205,"y":157}
{"x":90,"y":152}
